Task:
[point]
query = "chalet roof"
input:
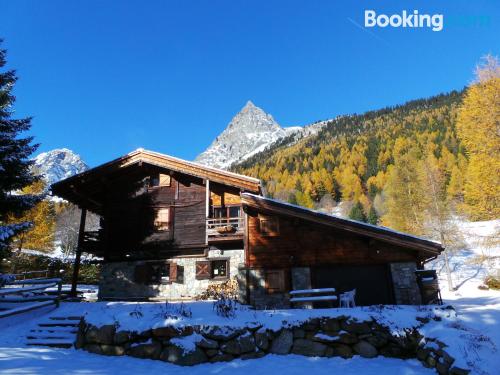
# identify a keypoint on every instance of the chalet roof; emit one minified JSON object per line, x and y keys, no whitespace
{"x":76,"y":188}
{"x":369,"y":230}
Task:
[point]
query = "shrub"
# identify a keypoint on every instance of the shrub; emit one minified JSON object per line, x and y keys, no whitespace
{"x":492,"y":283}
{"x":225,"y":307}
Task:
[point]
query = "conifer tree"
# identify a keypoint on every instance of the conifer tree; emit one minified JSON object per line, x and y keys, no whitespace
{"x":14,"y":160}
{"x":372,"y":216}
{"x":357,"y":212}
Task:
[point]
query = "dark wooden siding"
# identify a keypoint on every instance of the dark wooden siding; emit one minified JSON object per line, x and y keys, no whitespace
{"x":300,"y":243}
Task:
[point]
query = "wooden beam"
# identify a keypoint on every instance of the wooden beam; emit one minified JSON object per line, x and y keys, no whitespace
{"x":78,"y":256}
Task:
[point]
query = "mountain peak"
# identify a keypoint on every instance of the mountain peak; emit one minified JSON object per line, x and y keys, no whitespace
{"x":58,"y":164}
{"x":250,"y":131}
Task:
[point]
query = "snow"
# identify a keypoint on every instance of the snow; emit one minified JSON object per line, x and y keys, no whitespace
{"x":58,"y":164}
{"x":471,"y":330}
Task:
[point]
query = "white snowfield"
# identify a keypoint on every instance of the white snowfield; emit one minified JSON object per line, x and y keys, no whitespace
{"x":472,"y":333}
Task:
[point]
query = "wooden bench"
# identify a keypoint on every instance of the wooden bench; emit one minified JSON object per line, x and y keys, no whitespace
{"x":307,"y":297}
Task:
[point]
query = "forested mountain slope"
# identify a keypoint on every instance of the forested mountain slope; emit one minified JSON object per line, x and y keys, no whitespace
{"x":364,"y":159}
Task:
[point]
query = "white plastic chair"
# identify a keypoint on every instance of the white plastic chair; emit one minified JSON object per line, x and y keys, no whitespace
{"x":347,"y":299}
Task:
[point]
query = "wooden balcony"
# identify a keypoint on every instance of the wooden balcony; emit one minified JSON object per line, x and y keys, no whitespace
{"x":226,"y":228}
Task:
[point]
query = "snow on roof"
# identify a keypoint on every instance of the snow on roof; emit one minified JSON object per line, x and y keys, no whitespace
{"x":338,"y":218}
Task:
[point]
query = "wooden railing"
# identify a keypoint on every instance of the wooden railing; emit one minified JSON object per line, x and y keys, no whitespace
{"x":224,"y":227}
{"x":22,"y":295}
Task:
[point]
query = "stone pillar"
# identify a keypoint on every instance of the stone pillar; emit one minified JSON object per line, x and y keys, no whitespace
{"x":406,"y":290}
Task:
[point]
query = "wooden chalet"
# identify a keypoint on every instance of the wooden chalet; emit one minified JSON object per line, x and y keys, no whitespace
{"x":288,"y":247}
{"x":170,"y":228}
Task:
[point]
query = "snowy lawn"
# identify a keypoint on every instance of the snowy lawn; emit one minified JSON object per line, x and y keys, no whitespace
{"x":60,"y":361}
{"x":473,"y":333}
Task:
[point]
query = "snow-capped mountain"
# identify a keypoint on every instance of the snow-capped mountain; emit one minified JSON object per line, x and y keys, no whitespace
{"x":251,"y":131}
{"x":58,"y":164}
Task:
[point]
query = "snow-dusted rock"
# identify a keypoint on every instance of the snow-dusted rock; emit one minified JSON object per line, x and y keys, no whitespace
{"x":58,"y":164}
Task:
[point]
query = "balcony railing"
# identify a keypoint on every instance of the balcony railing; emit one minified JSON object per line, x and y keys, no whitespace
{"x":224,"y":227}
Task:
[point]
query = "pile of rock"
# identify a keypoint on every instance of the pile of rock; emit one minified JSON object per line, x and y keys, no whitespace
{"x":318,"y":337}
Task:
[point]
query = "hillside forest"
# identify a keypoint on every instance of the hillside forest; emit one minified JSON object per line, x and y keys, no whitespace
{"x":413,"y":167}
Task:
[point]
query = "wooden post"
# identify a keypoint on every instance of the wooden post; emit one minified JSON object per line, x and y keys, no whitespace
{"x":207,"y":208}
{"x":78,"y":256}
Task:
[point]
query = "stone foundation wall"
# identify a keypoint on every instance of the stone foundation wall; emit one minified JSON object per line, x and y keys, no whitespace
{"x":406,"y":290}
{"x":318,"y":337}
{"x":117,"y":278}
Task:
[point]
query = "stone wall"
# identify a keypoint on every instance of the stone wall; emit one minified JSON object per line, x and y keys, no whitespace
{"x":117,"y":278}
{"x":318,"y":337}
{"x":406,"y":290}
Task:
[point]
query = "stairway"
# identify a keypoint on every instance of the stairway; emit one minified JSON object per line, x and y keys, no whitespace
{"x":56,"y":331}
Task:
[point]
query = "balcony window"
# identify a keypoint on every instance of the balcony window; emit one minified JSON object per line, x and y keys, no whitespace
{"x":227,"y":211}
{"x":159,"y":180}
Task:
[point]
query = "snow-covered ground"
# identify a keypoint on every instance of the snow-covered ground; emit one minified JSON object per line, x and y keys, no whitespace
{"x":473,"y":333}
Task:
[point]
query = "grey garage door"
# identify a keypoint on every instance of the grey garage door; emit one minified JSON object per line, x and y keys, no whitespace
{"x":372,"y":282}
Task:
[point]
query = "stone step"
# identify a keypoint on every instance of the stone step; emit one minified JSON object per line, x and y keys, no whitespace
{"x":72,"y":330}
{"x":59,"y":324}
{"x":66,"y":318}
{"x":53,"y":344}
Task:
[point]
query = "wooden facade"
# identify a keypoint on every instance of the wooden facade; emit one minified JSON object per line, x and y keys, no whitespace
{"x":283,"y":239}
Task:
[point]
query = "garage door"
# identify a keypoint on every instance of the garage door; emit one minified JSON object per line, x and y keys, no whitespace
{"x":372,"y":283}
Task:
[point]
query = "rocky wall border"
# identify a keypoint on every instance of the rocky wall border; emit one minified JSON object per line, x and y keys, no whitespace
{"x":318,"y":337}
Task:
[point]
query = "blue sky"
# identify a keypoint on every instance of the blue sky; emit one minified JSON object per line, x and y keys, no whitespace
{"x":105,"y":77}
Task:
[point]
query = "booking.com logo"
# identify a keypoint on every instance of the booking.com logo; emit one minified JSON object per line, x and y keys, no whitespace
{"x":406,"y":19}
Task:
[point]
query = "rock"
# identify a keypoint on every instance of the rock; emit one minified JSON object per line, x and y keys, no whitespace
{"x":446,"y":357}
{"x":222,"y":333}
{"x":365,"y":349}
{"x":247,"y":343}
{"x":222,"y":358}
{"x":93,"y":348}
{"x":311,"y":325}
{"x":308,"y":348}
{"x":458,"y":371}
{"x":329,"y":325}
{"x":252,"y":355}
{"x":207,"y":343}
{"x":165,"y":332}
{"x":423,"y":319}
{"x":91,"y":335}
{"x":211,"y":352}
{"x":262,"y":340}
{"x":113,"y":350}
{"x":431,"y":361}
{"x":442,"y":367}
{"x":347,"y":338}
{"x":121,"y":337}
{"x":299,"y":333}
{"x":231,"y":347}
{"x":105,"y":334}
{"x":181,"y":357}
{"x":392,"y":351}
{"x":422,"y":353}
{"x":356,"y":327}
{"x":151,"y":351}
{"x":377,"y":340}
{"x":282,"y":343}
{"x":330,"y":352}
{"x":342,"y":350}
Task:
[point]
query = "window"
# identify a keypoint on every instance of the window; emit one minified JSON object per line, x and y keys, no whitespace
{"x":275,"y":281}
{"x":159,"y":180}
{"x":269,"y":225}
{"x":158,"y":273}
{"x":227,"y":211}
{"x":212,"y":269}
{"x":219,"y":268}
{"x":162,"y":219}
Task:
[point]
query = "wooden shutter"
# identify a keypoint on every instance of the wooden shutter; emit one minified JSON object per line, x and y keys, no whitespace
{"x":275,"y":281}
{"x":173,"y":272}
{"x":203,"y":270}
